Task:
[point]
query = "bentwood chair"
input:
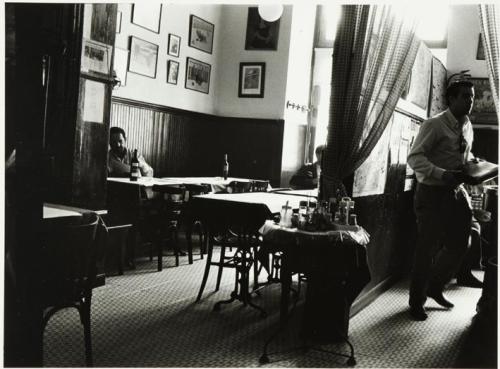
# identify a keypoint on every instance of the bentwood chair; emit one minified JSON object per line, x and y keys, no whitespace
{"x":69,"y":270}
{"x":162,"y":223}
{"x":191,"y":223}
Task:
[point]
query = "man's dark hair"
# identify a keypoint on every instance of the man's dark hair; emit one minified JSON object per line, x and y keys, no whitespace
{"x":454,"y":88}
{"x":117,"y":130}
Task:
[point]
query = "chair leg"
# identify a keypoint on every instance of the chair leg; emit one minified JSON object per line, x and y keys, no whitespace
{"x":207,"y":267}
{"x":175,"y":240}
{"x":255,"y":268}
{"x":85,"y":318}
{"x":159,"y":247}
{"x":221,"y":262}
{"x":189,"y":232}
{"x":201,"y":234}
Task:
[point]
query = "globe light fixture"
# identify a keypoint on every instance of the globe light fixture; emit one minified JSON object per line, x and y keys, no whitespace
{"x":270,"y":12}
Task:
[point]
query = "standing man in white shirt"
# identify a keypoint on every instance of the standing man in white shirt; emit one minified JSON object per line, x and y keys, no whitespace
{"x":443,"y":212}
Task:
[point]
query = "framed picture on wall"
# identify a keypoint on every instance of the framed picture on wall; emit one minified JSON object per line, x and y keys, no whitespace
{"x":251,"y":81}
{"x":147,"y":15}
{"x":174,"y":44}
{"x":197,"y":75}
{"x":483,"y":110}
{"x":96,"y":57}
{"x":261,"y":35}
{"x":201,"y":34}
{"x":480,"y":49}
{"x":172,"y":71}
{"x":143,"y":57}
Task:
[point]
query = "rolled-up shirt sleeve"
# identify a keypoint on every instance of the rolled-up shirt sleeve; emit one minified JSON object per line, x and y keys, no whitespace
{"x":418,"y":160}
{"x":145,"y":168}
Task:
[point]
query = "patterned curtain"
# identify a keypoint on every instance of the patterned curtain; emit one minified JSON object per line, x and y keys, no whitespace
{"x":373,"y":54}
{"x":490,"y":23}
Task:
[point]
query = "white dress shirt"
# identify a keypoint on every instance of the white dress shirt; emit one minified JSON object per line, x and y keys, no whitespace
{"x":437,"y":148}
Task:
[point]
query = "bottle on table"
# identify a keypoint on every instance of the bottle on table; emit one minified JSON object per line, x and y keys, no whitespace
{"x":134,"y":167}
{"x":225,"y":167}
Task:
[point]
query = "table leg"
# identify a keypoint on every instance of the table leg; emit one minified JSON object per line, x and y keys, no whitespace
{"x":286,"y":283}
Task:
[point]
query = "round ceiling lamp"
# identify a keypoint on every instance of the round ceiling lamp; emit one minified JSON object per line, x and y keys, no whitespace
{"x":270,"y":12}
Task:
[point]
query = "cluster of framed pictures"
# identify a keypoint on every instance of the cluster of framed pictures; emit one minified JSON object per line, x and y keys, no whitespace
{"x":142,"y":55}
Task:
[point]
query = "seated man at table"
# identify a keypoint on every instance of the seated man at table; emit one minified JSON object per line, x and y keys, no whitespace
{"x":307,"y":176}
{"x":119,"y":156}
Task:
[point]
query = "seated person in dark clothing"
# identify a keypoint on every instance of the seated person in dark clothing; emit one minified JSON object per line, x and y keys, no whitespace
{"x":306,"y":176}
{"x":119,"y":156}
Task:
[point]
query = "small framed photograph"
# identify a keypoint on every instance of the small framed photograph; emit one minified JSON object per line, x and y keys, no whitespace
{"x":174,"y":44}
{"x":480,"y":49}
{"x":96,"y":57}
{"x":147,"y":15}
{"x":172,"y":71}
{"x":118,"y":22}
{"x":201,"y":34}
{"x":261,"y":35}
{"x":197,"y":75}
{"x":252,"y":77}
{"x":143,"y":57}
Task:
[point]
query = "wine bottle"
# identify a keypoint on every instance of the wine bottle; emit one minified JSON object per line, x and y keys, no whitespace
{"x":134,"y":167}
{"x":225,"y":167}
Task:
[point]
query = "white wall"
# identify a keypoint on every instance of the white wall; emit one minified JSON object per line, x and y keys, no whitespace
{"x":297,"y":88}
{"x":228,"y":51}
{"x":463,"y":34}
{"x":232,"y":52}
{"x":174,"y":19}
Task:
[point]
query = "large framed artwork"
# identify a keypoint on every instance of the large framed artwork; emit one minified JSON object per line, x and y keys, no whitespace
{"x":438,"y":91}
{"x":197,"y":75}
{"x":252,"y":78}
{"x":420,"y":83}
{"x":143,"y":57}
{"x":147,"y":15}
{"x":483,"y":111}
{"x":261,"y":35}
{"x":201,"y":34}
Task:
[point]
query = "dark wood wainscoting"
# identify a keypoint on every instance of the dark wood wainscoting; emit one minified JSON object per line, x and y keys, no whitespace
{"x":182,"y":143}
{"x":485,"y":144}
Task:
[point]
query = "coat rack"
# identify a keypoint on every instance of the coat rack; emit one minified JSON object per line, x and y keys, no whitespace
{"x":302,"y":108}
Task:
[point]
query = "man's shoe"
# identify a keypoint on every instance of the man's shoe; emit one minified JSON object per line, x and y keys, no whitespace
{"x":469,"y":280}
{"x":418,"y":313}
{"x":440,"y":299}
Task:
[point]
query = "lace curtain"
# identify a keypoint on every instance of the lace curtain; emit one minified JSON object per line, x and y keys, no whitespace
{"x":490,"y":23}
{"x":373,"y":54}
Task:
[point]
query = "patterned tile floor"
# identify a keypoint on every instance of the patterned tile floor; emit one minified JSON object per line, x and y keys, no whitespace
{"x":147,"y":318}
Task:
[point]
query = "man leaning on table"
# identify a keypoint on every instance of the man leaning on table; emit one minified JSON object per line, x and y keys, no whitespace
{"x":442,"y":208}
{"x":119,"y":156}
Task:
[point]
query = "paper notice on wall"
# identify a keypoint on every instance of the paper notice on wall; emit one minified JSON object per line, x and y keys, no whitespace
{"x":370,"y":177}
{"x":409,"y":183}
{"x":404,"y":146}
{"x":93,"y":103}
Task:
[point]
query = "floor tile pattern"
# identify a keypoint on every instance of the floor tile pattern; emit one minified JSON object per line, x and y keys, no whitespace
{"x":147,"y":318}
